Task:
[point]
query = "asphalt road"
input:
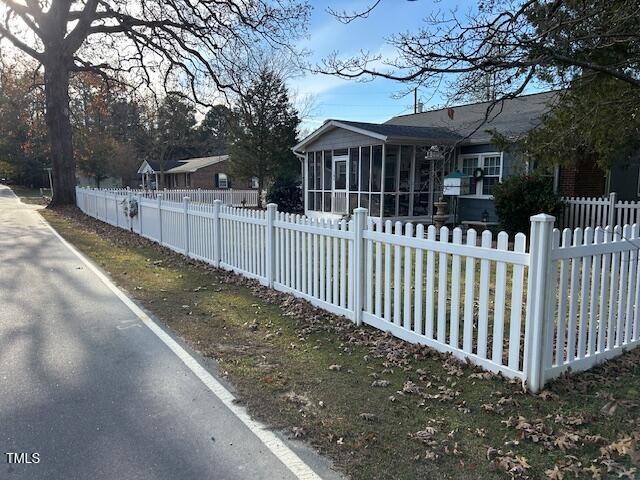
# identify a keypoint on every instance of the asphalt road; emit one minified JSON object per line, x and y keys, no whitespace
{"x":94,"y":392}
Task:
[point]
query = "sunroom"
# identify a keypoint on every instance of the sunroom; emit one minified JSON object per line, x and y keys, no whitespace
{"x":394,"y":171}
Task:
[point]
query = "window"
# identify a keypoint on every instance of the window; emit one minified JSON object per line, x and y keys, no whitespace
{"x":318,"y":170}
{"x":390,"y":168}
{"x":406,"y":156}
{"x":341,"y":180}
{"x":353,"y":169}
{"x":492,"y":173}
{"x":376,"y":169}
{"x":253,"y":182}
{"x":310,"y":171}
{"x":340,"y":175}
{"x":223,"y":181}
{"x":491,"y":165}
{"x":399,"y":164}
{"x":365,"y":167}
{"x":327,"y":170}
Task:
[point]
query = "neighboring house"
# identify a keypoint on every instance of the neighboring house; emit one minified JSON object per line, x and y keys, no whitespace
{"x":204,"y":172}
{"x":396,"y":169}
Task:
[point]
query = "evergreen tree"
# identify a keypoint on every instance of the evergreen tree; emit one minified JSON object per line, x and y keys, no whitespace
{"x":213,"y":131}
{"x":173,"y":135}
{"x":263,"y":131}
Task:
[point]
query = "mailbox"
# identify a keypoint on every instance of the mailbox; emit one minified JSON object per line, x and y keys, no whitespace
{"x":456,"y":184}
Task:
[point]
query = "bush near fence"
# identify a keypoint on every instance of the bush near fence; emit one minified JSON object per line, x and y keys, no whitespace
{"x":568,"y":301}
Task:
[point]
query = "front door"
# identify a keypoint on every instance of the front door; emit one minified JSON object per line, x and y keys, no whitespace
{"x":340,"y":202}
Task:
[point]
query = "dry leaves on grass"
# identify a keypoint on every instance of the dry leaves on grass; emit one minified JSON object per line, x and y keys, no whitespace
{"x":397,"y":354}
{"x":516,"y":466}
{"x":380,"y":383}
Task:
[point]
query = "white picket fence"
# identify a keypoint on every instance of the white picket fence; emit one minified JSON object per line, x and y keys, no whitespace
{"x":583,"y":212}
{"x":235,"y":198}
{"x":527,"y":314}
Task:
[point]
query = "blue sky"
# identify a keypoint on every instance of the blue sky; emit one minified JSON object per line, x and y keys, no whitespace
{"x":364,"y":101}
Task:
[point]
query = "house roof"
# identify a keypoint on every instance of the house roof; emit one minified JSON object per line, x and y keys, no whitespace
{"x":384,"y":132}
{"x":191,"y":165}
{"x":513,"y":118}
{"x":188,"y":165}
{"x":157,"y":167}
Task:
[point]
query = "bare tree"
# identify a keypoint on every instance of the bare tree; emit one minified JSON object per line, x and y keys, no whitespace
{"x":509,"y":43}
{"x":180,"y":45}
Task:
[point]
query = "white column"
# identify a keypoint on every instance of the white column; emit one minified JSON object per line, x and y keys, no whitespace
{"x":537,"y":324}
{"x":359,"y":223}
{"x":272,"y":209}
{"x":187,"y":239}
{"x":216,"y":232}
{"x":612,"y":209}
{"x":130,"y":219}
{"x":159,"y":219}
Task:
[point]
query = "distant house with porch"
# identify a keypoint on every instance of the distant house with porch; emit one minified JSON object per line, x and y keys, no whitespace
{"x":202,"y":172}
{"x":396,"y":169}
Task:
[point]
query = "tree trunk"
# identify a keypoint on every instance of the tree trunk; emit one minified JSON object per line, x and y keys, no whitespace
{"x":56,"y":83}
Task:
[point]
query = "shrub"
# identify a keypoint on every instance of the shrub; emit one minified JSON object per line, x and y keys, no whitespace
{"x":287,"y":194}
{"x":519,"y":197}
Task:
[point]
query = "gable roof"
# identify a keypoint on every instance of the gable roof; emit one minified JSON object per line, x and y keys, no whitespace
{"x":191,"y":165}
{"x":145,"y":168}
{"x":384,"y":132}
{"x":157,"y":167}
{"x":188,"y":165}
{"x":513,"y":118}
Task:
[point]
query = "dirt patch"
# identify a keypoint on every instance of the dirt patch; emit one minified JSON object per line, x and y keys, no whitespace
{"x":379,"y":407}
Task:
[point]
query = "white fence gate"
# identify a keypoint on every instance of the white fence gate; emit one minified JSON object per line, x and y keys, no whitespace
{"x":527,"y":314}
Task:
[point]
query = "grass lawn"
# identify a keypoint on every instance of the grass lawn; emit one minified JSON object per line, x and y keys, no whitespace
{"x":379,"y":407}
{"x":29,"y":195}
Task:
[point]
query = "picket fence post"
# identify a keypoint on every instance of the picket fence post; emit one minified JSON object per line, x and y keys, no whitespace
{"x":612,"y":209}
{"x":115,"y":201}
{"x":272,"y":209}
{"x":129,"y":217}
{"x":216,"y":232}
{"x":104,"y":204}
{"x":185,"y":204}
{"x":359,"y":224}
{"x":537,"y":324}
{"x":159,"y":219}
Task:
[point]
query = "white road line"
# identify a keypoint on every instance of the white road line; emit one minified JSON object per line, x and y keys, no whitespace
{"x":300,"y":469}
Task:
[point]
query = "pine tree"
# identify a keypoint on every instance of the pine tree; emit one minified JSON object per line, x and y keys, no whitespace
{"x":263,"y":131}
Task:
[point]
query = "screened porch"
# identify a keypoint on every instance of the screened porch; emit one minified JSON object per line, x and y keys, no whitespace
{"x":393,"y":171}
{"x":390,"y":180}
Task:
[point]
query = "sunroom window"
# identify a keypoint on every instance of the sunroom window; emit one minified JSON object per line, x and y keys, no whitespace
{"x":343,"y":179}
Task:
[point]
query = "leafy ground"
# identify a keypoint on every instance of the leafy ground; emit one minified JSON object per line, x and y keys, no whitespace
{"x":379,"y":407}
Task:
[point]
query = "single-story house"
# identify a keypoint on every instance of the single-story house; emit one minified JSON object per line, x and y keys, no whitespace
{"x":202,"y":172}
{"x":396,"y":168}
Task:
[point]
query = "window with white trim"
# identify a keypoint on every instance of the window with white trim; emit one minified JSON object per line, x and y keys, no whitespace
{"x":491,"y":165}
{"x":223,"y":181}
